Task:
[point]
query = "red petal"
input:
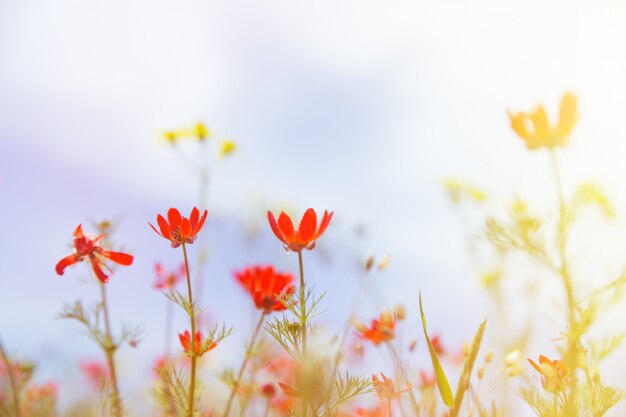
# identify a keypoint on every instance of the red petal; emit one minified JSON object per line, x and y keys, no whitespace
{"x":174,"y":218}
{"x":324,"y":224}
{"x":118,"y":257}
{"x":65,"y":262}
{"x":154,"y":228}
{"x":274,"y":226}
{"x":202,"y":219}
{"x":286,"y":227}
{"x":97,"y":270}
{"x":185,"y":229}
{"x":165,"y":228}
{"x":193,"y":218}
{"x":78,"y":233}
{"x":308,"y":224}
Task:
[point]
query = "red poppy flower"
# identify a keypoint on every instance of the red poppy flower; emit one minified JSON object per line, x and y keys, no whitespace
{"x":200,"y":346}
{"x":167,"y":280}
{"x":380,"y":330}
{"x":307,"y":233}
{"x":266,"y":286}
{"x":178,"y":229}
{"x":88,"y":247}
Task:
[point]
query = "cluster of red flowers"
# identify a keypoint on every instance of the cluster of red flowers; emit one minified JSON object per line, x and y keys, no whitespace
{"x":267,"y":287}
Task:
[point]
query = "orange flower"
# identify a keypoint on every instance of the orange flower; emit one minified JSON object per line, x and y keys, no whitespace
{"x":554,"y":372}
{"x":178,"y":229}
{"x":266,"y":286}
{"x":386,"y":389}
{"x":535,"y":130}
{"x":200,"y":346}
{"x":88,"y":247}
{"x":306,"y":235}
{"x":167,"y":280}
{"x":380,"y":330}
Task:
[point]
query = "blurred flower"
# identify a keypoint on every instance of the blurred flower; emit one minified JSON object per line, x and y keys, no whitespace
{"x":380,"y":330}
{"x":427,"y":379}
{"x":227,"y":147}
{"x":513,"y":363}
{"x":554,"y":372}
{"x":167,"y":280}
{"x":199,"y":131}
{"x":88,"y":247}
{"x":266,"y":286}
{"x":200,"y":346}
{"x":178,"y":229}
{"x":268,"y":390}
{"x":535,"y":129}
{"x":458,"y":190}
{"x":96,"y":373}
{"x":49,"y":390}
{"x":307,"y":233}
{"x":386,"y":389}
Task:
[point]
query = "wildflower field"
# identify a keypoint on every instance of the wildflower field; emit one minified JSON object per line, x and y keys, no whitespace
{"x":332,"y":210}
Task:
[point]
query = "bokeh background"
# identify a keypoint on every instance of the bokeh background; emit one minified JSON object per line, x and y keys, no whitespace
{"x":361,"y":107}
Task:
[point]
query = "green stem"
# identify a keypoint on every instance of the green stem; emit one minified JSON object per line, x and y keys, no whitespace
{"x":14,"y":390}
{"x":303,"y":324}
{"x":249,"y":350}
{"x":192,"y":318}
{"x":109,"y":350}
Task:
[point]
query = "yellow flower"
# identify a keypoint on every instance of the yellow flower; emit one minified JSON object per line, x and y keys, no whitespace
{"x":170,"y":136}
{"x":228,"y":146}
{"x":201,"y":131}
{"x":458,"y":190}
{"x":537,"y":132}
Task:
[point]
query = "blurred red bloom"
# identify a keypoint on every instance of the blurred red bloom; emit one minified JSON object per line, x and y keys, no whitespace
{"x":200,"y":346}
{"x":167,"y":280}
{"x":96,"y":373}
{"x":380,"y":330}
{"x":266,"y":286}
{"x":178,"y":229}
{"x":88,"y":247}
{"x":437,"y":345}
{"x":306,"y":235}
{"x":386,"y":389}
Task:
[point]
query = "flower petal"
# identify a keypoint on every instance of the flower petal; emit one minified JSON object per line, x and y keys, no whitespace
{"x":193,"y":219}
{"x":174,"y":218}
{"x":308,"y":224}
{"x":185,"y":229}
{"x":165,"y":228}
{"x":275,"y":228}
{"x":201,"y":223}
{"x":118,"y":257}
{"x":286,"y":227}
{"x":97,"y":270}
{"x":65,"y":262}
{"x":325,"y":222}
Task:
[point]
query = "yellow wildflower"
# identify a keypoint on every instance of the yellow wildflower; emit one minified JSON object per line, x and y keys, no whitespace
{"x":535,"y":129}
{"x":228,"y":146}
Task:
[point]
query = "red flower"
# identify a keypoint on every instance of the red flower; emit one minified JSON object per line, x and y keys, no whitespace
{"x":88,"y":247}
{"x":167,"y":280}
{"x":307,"y":233}
{"x":200,"y":346}
{"x":386,"y":389}
{"x":96,"y":373}
{"x":380,"y":330}
{"x":178,"y":229}
{"x":266,"y":286}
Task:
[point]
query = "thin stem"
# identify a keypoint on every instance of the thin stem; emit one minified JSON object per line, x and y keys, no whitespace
{"x":303,"y":324}
{"x":247,"y":357}
{"x":389,"y":407}
{"x":168,"y":330}
{"x":14,"y":391}
{"x":192,"y":317}
{"x":109,"y":350}
{"x":267,"y":408}
{"x":401,"y":373}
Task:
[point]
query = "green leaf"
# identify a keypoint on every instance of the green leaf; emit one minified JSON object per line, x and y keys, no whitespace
{"x":464,"y":379}
{"x":442,"y":381}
